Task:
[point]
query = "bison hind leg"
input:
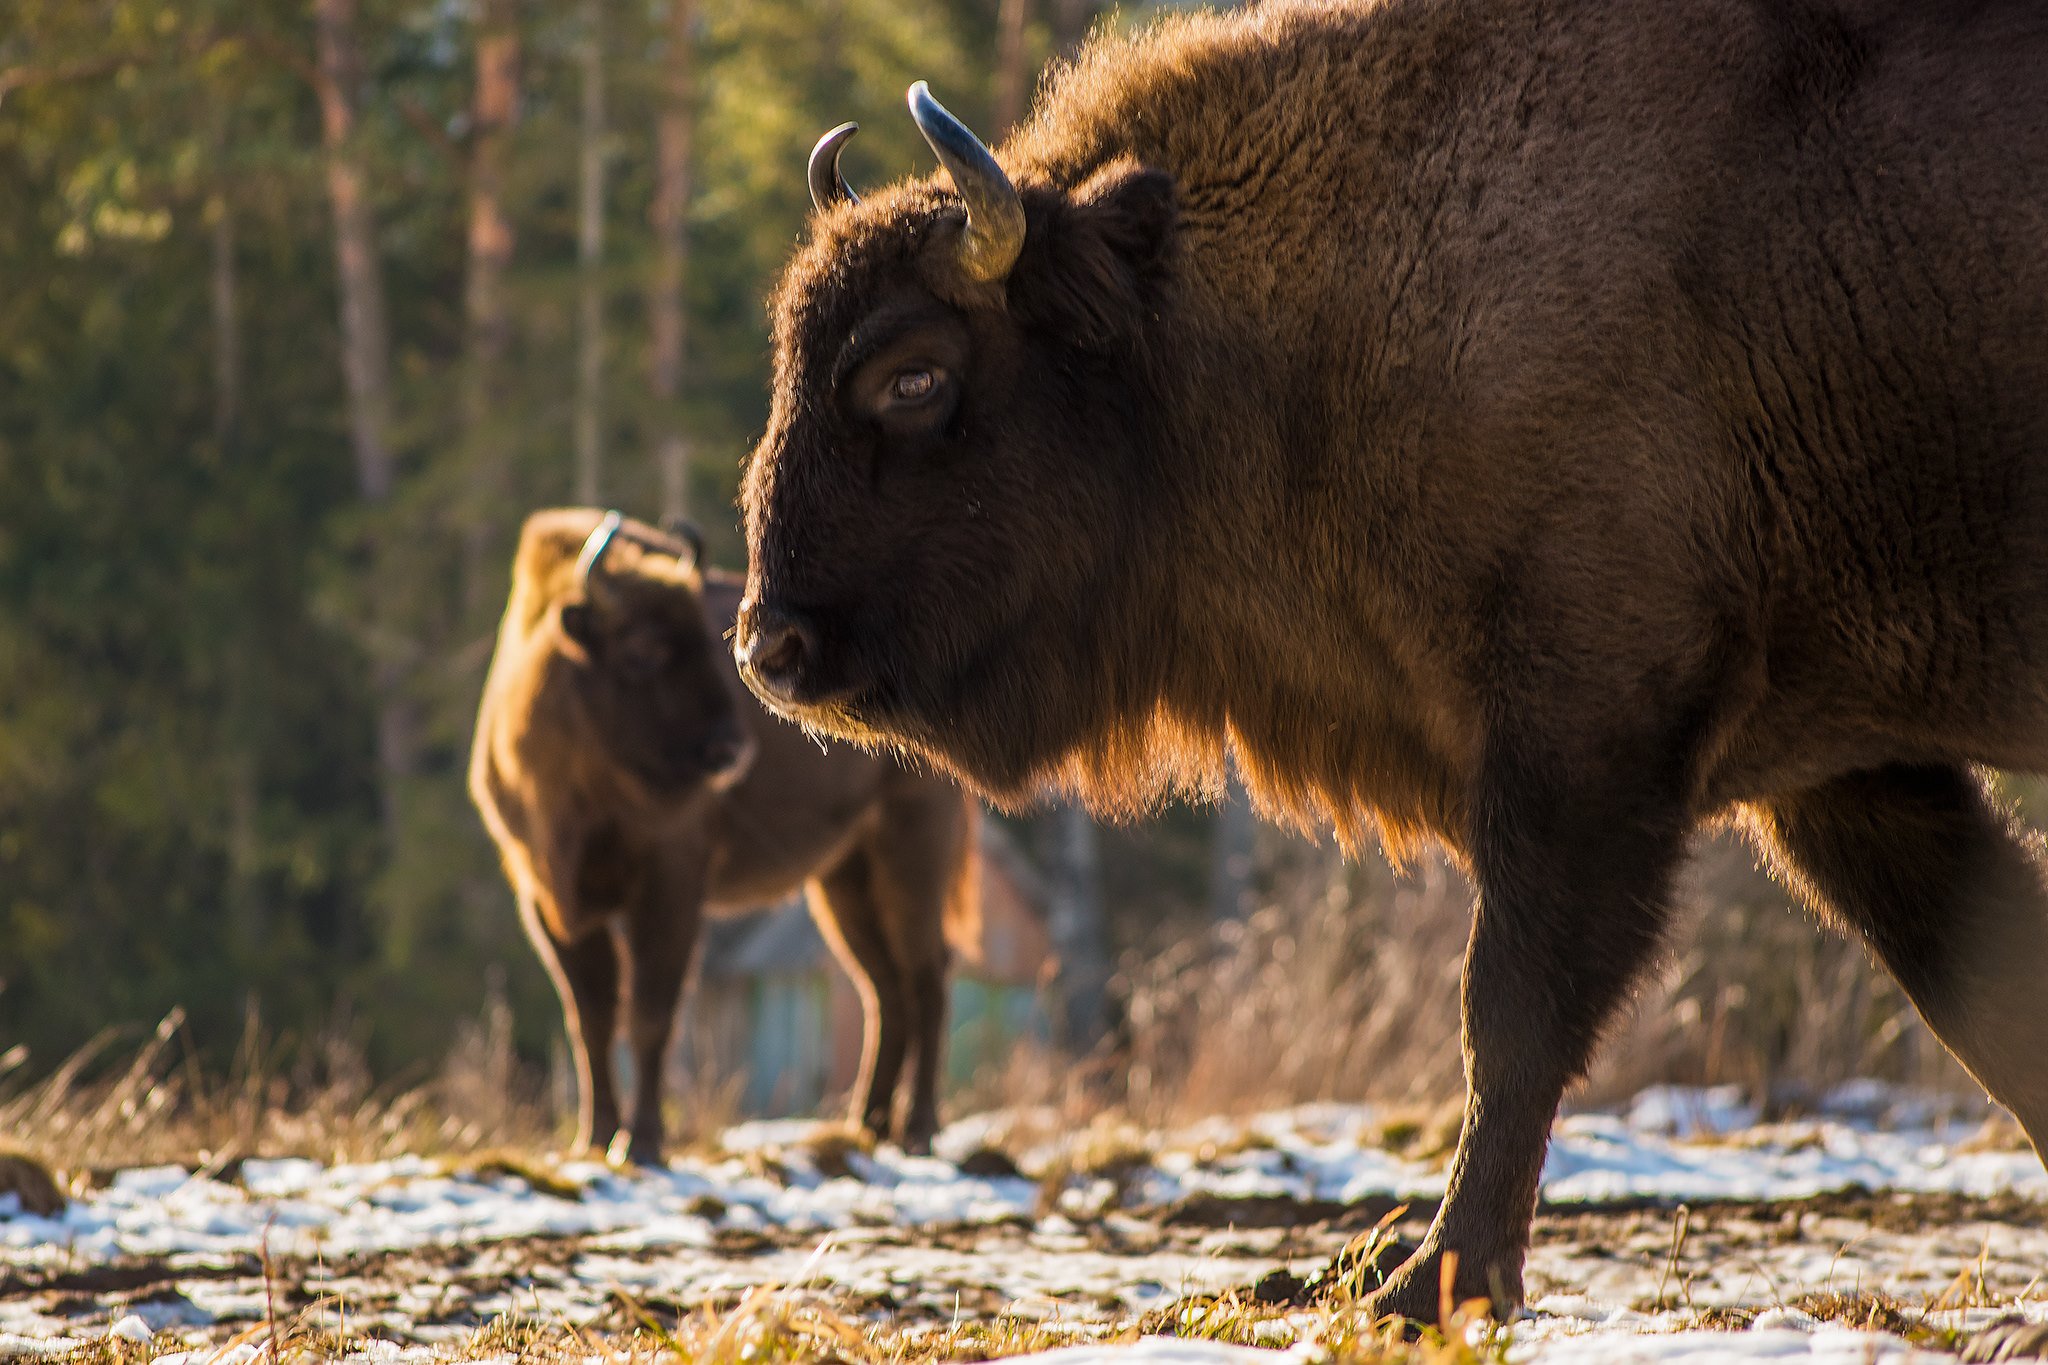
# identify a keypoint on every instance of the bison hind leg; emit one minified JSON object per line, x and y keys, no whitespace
{"x":1950,"y":896}
{"x":844,"y":905}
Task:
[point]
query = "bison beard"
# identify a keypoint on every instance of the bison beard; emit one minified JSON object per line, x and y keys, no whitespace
{"x":1542,"y":427}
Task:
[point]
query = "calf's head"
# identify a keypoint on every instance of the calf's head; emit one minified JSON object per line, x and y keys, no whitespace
{"x":947,"y":515}
{"x":645,"y":672}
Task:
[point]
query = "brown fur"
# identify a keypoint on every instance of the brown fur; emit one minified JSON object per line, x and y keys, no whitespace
{"x":618,"y":833}
{"x":1539,"y":425}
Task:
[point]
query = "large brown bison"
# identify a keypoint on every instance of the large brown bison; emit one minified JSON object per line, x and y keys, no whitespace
{"x":631,"y":786}
{"x":1541,"y":426}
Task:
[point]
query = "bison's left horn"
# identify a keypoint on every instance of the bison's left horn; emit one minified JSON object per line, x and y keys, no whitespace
{"x":828,"y":187}
{"x":995,"y":215}
{"x":594,"y":547}
{"x":686,"y":531}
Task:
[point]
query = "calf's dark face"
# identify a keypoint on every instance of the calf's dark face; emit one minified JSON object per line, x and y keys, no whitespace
{"x":943,"y":508}
{"x":654,"y":684}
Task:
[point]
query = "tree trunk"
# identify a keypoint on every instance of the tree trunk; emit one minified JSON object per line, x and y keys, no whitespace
{"x":366,"y":372}
{"x":1235,"y":853}
{"x":1011,"y":78}
{"x":1079,"y":934}
{"x":365,"y":336}
{"x":590,"y":341}
{"x":247,"y":927}
{"x":227,"y":327}
{"x":487,"y":321}
{"x":243,"y":836}
{"x":671,"y":209}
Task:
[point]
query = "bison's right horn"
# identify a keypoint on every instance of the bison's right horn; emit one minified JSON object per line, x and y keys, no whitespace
{"x":594,"y":547}
{"x":828,"y":187}
{"x":995,"y":215}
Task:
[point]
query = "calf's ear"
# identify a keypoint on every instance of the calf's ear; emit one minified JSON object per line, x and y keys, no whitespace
{"x":576,"y":623}
{"x":1098,"y":260}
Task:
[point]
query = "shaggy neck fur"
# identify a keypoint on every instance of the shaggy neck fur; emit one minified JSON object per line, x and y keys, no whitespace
{"x":1277,"y":222}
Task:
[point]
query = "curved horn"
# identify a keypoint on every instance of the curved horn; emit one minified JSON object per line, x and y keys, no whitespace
{"x":828,"y":187}
{"x":594,"y":547}
{"x":995,"y":215}
{"x":687,"y":532}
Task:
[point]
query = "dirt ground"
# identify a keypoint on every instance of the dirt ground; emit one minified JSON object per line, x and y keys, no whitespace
{"x":1925,"y":1266}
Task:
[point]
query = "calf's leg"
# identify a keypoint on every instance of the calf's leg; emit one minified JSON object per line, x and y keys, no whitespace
{"x":1572,"y":900}
{"x":1948,"y":893}
{"x":844,"y":905}
{"x":585,"y":972}
{"x":661,"y":944}
{"x":921,"y":853}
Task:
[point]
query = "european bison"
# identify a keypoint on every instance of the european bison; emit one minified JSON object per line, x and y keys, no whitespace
{"x":630,"y":786}
{"x":1538,"y":425}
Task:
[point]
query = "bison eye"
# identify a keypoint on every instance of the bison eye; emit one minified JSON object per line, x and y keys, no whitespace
{"x":913,"y":386}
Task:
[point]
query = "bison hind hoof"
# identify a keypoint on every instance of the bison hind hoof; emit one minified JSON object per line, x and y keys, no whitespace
{"x":627,"y":1150}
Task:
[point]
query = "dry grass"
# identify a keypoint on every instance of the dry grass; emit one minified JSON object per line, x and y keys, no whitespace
{"x":100,"y":1111}
{"x":831,"y":1149}
{"x":1346,"y":987}
{"x":783,"y":1326}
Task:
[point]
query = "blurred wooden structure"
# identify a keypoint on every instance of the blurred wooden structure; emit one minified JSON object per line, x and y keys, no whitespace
{"x":773,"y":1006}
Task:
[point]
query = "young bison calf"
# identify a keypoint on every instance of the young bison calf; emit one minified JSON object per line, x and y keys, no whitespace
{"x":630,"y":787}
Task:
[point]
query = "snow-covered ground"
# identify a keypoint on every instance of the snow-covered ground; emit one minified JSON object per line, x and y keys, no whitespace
{"x":1087,"y":1228}
{"x":1672,"y":1146}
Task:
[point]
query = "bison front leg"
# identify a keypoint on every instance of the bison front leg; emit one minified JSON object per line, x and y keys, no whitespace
{"x":585,"y":973}
{"x":1572,"y":897}
{"x":661,"y":944}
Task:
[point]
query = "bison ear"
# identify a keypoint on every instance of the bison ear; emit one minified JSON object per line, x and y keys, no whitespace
{"x":1097,"y":265}
{"x":576,"y":623}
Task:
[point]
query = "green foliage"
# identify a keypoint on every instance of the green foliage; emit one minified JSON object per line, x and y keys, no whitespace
{"x":189,"y":793}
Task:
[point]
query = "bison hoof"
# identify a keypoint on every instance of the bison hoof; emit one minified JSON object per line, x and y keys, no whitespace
{"x":1415,"y":1292}
{"x":628,"y":1150}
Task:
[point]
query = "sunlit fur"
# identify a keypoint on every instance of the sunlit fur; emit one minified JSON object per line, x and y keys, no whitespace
{"x":1120,"y":554}
{"x":617,"y":842}
{"x":1544,"y":425}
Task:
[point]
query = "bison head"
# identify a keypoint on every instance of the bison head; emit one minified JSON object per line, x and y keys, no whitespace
{"x":643,"y":664}
{"x":952,"y":509}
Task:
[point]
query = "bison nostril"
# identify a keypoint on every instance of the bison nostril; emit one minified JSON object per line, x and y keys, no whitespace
{"x":774,"y":654}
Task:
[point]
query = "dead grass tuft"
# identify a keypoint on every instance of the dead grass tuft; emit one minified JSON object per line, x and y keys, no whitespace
{"x":1864,"y":1309}
{"x":537,"y":1175}
{"x":33,"y":1185}
{"x":831,"y":1150}
{"x":2010,"y":1338}
{"x":1420,"y":1132}
{"x":1108,"y":1151}
{"x":990,"y":1163}
{"x":2000,"y":1132}
{"x":1878,"y":1312}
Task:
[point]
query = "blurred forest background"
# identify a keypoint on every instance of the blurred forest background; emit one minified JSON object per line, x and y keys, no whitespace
{"x":304,"y":303}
